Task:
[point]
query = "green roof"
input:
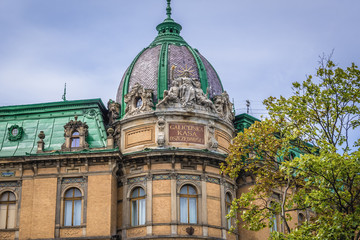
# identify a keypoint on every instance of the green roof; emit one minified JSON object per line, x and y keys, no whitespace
{"x":50,"y":118}
{"x":243,"y":121}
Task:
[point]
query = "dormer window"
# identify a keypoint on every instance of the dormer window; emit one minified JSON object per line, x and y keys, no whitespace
{"x":75,"y":133}
{"x":75,"y":140}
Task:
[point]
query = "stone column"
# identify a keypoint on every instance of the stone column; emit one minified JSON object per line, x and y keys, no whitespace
{"x":58,"y":208}
{"x":174,"y":209}
{"x":222,"y":205}
{"x":126,"y":209}
{"x":203,"y":211}
{"x":149,"y":205}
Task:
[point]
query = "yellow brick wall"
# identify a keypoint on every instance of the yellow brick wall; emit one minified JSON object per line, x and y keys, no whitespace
{"x":161,"y":187}
{"x":26,"y":208}
{"x":161,"y":209}
{"x":38,"y":205}
{"x":214,"y":212}
{"x":99,"y":205}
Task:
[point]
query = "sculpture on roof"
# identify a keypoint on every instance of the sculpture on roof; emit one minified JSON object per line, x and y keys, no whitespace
{"x":114,"y":110}
{"x":186,"y":93}
{"x":224,"y":107}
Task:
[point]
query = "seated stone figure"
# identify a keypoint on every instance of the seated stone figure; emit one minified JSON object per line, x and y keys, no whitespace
{"x":172,"y":95}
{"x":201,"y":98}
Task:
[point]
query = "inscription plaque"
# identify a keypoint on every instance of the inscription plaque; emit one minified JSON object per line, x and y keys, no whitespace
{"x":185,"y":132}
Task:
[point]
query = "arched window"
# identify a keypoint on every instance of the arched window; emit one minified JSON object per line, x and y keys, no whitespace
{"x":138,"y":207}
{"x":72,"y":207}
{"x":7,"y":210}
{"x":273,"y":218}
{"x":301,"y":219}
{"x":188,"y":204}
{"x":75,"y":140}
{"x":228,"y":208}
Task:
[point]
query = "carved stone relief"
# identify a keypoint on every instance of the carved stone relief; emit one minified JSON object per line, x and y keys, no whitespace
{"x":224,"y":107}
{"x":138,"y":100}
{"x":212,"y":143}
{"x":161,"y":131}
{"x":114,"y":111}
{"x":186,"y":93}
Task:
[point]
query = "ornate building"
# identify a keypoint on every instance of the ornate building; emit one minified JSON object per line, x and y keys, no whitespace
{"x":144,"y":167}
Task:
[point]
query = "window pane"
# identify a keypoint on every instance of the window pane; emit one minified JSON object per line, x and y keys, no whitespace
{"x":274,"y":227}
{"x":142,"y":192}
{"x":4,"y":196}
{"x":134,"y":213}
{"x":142,"y":211}
{"x":15,"y":132}
{"x":183,"y":210}
{"x":135,"y":193}
{"x":228,"y":198}
{"x":77,"y":212}
{"x":12,"y":196}
{"x":68,"y":213}
{"x":11,"y":216}
{"x":192,"y":190}
{"x":2,"y":216}
{"x":77,"y":193}
{"x":75,"y":134}
{"x":192,"y":210}
{"x":183,"y":190}
{"x":75,"y":142}
{"x":69,"y":193}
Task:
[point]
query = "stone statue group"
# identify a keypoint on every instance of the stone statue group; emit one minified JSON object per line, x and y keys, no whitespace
{"x":185,"y":93}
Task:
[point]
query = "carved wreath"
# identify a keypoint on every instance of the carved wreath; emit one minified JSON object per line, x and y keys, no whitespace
{"x":15,"y":133}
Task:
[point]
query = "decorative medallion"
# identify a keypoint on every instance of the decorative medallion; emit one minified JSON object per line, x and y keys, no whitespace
{"x":15,"y":133}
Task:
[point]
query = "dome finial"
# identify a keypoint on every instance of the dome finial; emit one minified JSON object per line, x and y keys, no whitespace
{"x":168,"y":9}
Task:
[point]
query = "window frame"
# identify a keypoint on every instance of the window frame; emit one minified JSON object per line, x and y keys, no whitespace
{"x":73,"y":137}
{"x":73,"y":199}
{"x":188,"y":197}
{"x":8,"y":202}
{"x":227,"y":209}
{"x":274,"y":219}
{"x":137,"y":199}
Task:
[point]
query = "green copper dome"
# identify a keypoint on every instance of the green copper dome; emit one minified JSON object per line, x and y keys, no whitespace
{"x":168,"y":56}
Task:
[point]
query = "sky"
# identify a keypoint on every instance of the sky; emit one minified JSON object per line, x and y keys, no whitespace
{"x":258,"y":47}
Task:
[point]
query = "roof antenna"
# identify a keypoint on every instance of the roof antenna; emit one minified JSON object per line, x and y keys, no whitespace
{"x":64,"y":95}
{"x":247,"y":106}
{"x":168,"y":9}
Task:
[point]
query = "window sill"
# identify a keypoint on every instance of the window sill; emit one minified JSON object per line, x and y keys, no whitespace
{"x":67,"y":227}
{"x":9,"y":230}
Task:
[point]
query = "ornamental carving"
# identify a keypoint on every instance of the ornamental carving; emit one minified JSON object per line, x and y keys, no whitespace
{"x":15,"y":132}
{"x":186,"y":93}
{"x":224,"y":107}
{"x":81,"y":130}
{"x":212,"y":142}
{"x":138,"y":100}
{"x":114,"y":111}
{"x":161,"y":131}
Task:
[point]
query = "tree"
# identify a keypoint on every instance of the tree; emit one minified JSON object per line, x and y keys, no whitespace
{"x":303,"y":151}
